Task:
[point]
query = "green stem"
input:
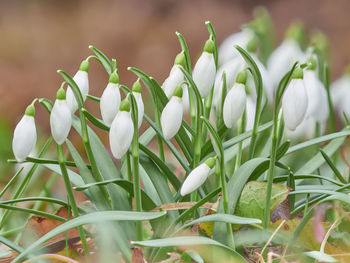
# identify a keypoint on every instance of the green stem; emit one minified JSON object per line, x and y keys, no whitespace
{"x":240,"y":130}
{"x":71,"y":198}
{"x":329,"y":100}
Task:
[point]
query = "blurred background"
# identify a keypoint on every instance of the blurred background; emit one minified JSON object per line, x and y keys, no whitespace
{"x":40,"y":36}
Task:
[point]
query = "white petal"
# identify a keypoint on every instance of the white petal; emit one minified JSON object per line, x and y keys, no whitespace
{"x":175,"y":78}
{"x":204,"y":73}
{"x":171,"y":117}
{"x":294,"y":104}
{"x":195,"y":179}
{"x":317,"y":97}
{"x":81,"y":79}
{"x":185,"y":98}
{"x":110,"y":102}
{"x":283,"y":58}
{"x":227,"y":50}
{"x":250,"y":114}
{"x":121,"y":133}
{"x":60,"y":121}
{"x":340,"y":91}
{"x":140,"y":107}
{"x":24,"y":138}
{"x":234,"y":104}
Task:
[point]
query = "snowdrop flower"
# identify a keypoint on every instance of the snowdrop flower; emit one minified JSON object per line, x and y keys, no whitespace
{"x":197,"y":177}
{"x":60,"y":118}
{"x":121,"y":131}
{"x":316,"y":94}
{"x":81,"y":79}
{"x":235,"y":101}
{"x":110,"y":99}
{"x":294,"y":101}
{"x":175,"y":77}
{"x":24,"y":138}
{"x":171,"y":117}
{"x":205,"y":70}
{"x":284,"y":56}
{"x":340,"y":91}
{"x":227,"y":50}
{"x":136,"y":91}
{"x":250,"y":114}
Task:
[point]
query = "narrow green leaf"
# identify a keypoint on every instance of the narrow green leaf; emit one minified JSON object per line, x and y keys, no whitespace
{"x":186,"y":52}
{"x":91,"y":218}
{"x":103,"y":59}
{"x":3,"y":191}
{"x":332,"y":166}
{"x":48,"y":104}
{"x":95,"y":121}
{"x":29,"y":199}
{"x":10,"y":244}
{"x":76,"y":91}
{"x":320,"y":256}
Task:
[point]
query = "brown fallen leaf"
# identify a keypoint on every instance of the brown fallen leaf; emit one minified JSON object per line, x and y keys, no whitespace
{"x":38,"y":226}
{"x":182,"y":206}
{"x":137,"y":255}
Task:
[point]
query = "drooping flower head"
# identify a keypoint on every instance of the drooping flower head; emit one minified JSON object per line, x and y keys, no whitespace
{"x":316,"y":94}
{"x":121,"y":131}
{"x":82,"y":80}
{"x":197,"y":177}
{"x":110,"y":99}
{"x":136,"y":91}
{"x":60,"y":118}
{"x":235,"y":101}
{"x":294,"y":101}
{"x":24,"y":137}
{"x":205,"y":70}
{"x":171,"y":117}
{"x":176,"y":76}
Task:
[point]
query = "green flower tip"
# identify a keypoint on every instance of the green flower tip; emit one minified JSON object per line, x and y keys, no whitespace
{"x":136,"y":87}
{"x":30,"y":110}
{"x":61,"y":94}
{"x":298,"y":73}
{"x":252,"y":45}
{"x":312,"y":63}
{"x":209,"y":46}
{"x":114,"y":77}
{"x":84,"y":66}
{"x":180,"y":59}
{"x":242,"y":77}
{"x":125,"y":105}
{"x":178,"y":91}
{"x":210,"y":162}
{"x":297,"y":32}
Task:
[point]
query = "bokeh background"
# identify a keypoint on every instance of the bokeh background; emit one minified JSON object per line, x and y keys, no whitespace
{"x":37,"y":37}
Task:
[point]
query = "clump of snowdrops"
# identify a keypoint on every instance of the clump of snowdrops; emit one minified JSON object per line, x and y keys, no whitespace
{"x":253,"y":145}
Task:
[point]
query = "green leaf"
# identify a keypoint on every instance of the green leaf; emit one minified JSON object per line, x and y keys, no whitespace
{"x":231,"y":219}
{"x":186,"y":52}
{"x":320,"y":256}
{"x":314,"y":163}
{"x":103,"y":59}
{"x":333,"y":167}
{"x":10,"y":244}
{"x":29,"y":199}
{"x":76,"y":91}
{"x":91,"y":218}
{"x":3,"y":191}
{"x":147,"y":202}
{"x":318,"y":140}
{"x":95,"y":121}
{"x":186,"y":241}
{"x":252,"y":200}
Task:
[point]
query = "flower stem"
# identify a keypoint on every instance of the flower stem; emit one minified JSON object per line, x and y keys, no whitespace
{"x":71,"y":198}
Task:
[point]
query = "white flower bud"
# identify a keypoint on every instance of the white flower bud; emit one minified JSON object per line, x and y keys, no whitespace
{"x":60,"y":118}
{"x":340,"y":91}
{"x":110,"y":100}
{"x":294,"y":101}
{"x":197,"y":177}
{"x":205,"y":70}
{"x":24,"y":138}
{"x":235,"y":101}
{"x":175,"y":77}
{"x":283,"y":58}
{"x":82,"y":80}
{"x":121,"y":131}
{"x":227,"y":50}
{"x":317,"y":97}
{"x":171,"y":117}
